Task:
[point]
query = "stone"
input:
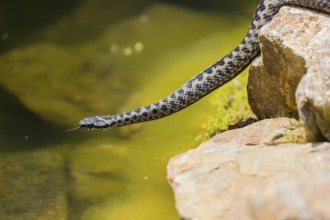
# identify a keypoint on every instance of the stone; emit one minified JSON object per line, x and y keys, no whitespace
{"x":294,"y":198}
{"x":217,"y":180}
{"x":292,"y":74}
{"x":33,"y":186}
{"x":313,"y":92}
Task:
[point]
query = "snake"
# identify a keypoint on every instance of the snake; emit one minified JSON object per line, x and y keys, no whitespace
{"x":211,"y":78}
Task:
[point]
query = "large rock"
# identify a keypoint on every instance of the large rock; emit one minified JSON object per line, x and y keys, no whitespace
{"x":295,"y":51}
{"x":32,"y":186}
{"x":313,"y":92}
{"x":220,"y":178}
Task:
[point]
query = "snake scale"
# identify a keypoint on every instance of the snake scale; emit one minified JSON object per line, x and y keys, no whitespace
{"x":209,"y":79}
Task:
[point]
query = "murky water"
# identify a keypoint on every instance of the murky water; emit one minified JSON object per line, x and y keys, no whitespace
{"x":55,"y":77}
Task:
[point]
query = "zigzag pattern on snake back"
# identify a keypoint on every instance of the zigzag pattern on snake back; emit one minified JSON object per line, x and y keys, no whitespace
{"x":209,"y":79}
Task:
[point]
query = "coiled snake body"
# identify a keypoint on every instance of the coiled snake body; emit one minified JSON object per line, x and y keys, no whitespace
{"x":209,"y":79}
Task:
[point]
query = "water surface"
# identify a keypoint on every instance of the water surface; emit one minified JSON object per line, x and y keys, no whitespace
{"x":58,"y":75}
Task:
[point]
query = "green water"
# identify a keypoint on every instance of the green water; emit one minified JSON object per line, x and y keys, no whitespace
{"x":139,"y":57}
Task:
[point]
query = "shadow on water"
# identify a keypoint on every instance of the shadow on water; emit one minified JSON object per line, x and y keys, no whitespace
{"x":21,"y":129}
{"x":19,"y":19}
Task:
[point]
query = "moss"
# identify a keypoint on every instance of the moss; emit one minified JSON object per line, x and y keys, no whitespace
{"x":233,"y":111}
{"x":231,"y":108}
{"x":294,"y":133}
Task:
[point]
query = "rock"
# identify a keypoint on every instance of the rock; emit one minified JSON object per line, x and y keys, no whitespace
{"x":295,"y":50}
{"x":32,"y":186}
{"x":294,"y":198}
{"x":217,"y":179}
{"x":313,"y":92}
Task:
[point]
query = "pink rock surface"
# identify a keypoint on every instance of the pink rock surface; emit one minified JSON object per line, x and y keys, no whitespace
{"x":220,"y":178}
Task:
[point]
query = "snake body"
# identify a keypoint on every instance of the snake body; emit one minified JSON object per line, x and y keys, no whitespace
{"x":209,"y":79}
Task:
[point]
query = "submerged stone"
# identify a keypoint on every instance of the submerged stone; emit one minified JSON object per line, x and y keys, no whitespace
{"x":32,"y":186}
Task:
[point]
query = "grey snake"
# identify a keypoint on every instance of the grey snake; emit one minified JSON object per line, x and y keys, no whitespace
{"x":210,"y":78}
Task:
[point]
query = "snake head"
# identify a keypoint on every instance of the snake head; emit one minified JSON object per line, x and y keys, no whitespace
{"x":96,"y":123}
